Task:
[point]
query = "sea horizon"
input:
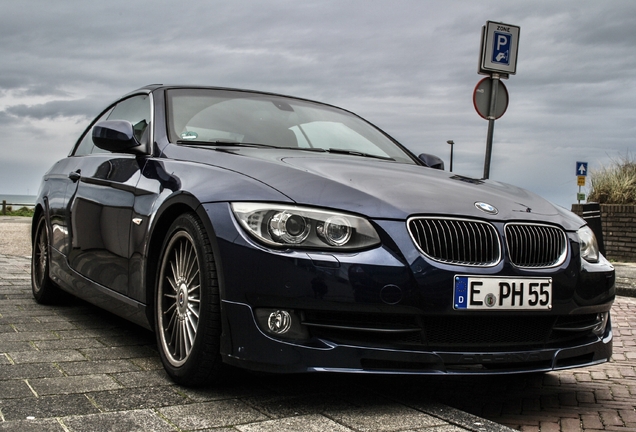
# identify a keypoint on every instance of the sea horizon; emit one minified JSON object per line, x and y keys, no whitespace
{"x":18,"y":199}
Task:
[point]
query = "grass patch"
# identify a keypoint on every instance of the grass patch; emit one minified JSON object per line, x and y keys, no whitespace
{"x":616,"y":183}
{"x":23,"y":211}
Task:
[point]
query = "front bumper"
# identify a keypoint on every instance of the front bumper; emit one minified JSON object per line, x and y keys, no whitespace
{"x":342,"y":299}
{"x":252,"y":349}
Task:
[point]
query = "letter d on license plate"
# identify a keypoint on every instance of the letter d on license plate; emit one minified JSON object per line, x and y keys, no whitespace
{"x":502,"y":293}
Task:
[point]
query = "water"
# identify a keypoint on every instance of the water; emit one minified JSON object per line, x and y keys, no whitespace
{"x":29,"y":200}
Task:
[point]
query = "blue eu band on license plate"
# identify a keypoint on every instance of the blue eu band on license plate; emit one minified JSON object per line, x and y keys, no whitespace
{"x":486,"y":292}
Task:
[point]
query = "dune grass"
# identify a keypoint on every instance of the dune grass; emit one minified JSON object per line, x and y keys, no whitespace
{"x":23,"y":211}
{"x":616,"y":183}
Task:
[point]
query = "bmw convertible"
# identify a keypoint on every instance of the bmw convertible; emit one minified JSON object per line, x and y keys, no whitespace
{"x":283,"y":235}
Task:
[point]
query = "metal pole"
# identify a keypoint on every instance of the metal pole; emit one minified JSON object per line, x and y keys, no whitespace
{"x":491,"y":122}
{"x":451,"y":142}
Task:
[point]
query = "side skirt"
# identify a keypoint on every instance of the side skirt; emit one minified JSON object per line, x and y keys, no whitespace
{"x":71,"y":281}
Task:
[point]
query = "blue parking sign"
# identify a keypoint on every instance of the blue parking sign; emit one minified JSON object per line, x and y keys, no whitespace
{"x":501,"y":48}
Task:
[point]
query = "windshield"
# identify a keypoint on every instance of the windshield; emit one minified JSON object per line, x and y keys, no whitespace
{"x":207,"y":116}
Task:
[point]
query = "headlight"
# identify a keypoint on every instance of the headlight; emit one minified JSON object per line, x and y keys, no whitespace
{"x":589,"y":246}
{"x":304,"y":227}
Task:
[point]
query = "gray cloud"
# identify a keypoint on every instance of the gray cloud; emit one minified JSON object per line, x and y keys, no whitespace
{"x":408,"y":66}
{"x":84,"y":108}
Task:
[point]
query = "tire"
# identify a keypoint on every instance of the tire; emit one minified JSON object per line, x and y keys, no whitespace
{"x":44,"y":290}
{"x":187,"y":310}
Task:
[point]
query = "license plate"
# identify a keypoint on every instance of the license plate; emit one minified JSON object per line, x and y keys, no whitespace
{"x":486,"y":292}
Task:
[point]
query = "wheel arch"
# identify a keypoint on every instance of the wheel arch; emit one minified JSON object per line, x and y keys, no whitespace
{"x":169,"y":212}
{"x":37,"y":213}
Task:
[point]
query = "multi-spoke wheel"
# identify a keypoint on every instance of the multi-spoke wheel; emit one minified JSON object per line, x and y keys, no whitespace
{"x":187,"y":304}
{"x":180,"y":296}
{"x":44,"y":290}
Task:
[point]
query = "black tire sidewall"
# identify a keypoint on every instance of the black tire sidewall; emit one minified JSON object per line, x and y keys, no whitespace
{"x":43,"y":289}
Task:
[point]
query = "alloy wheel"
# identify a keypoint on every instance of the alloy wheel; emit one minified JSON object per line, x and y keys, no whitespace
{"x":179,"y":297}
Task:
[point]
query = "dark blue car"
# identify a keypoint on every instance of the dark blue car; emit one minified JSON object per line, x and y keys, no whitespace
{"x":279,"y":234}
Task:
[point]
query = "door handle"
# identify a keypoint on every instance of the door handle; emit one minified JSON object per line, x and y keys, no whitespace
{"x":75,"y":175}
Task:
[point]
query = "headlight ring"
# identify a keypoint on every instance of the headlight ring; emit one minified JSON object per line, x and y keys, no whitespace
{"x":336,"y":231}
{"x":286,"y":227}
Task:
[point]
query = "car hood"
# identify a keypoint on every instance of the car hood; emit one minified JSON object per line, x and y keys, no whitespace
{"x":387,"y":190}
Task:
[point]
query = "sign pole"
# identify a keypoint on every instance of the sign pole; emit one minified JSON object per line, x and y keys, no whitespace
{"x":491,"y":122}
{"x":498,"y":58}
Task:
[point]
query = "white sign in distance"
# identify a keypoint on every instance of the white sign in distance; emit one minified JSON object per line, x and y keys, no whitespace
{"x":482,"y":95}
{"x":500,"y":45}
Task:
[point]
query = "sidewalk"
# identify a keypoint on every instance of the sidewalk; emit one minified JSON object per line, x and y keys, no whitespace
{"x":625,"y":279}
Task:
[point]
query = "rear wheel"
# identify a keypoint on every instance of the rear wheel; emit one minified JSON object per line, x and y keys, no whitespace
{"x":44,"y":290}
{"x":187,"y":311}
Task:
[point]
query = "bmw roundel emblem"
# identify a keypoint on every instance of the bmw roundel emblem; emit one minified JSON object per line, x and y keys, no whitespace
{"x":486,"y":208}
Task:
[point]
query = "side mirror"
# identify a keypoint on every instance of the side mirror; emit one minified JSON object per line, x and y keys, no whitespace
{"x":116,"y":136}
{"x":431,"y":161}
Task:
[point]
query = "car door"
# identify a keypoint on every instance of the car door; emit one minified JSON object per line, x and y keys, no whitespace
{"x":57,"y":183}
{"x":101,"y":205}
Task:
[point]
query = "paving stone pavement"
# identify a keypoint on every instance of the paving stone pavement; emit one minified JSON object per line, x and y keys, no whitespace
{"x":74,"y":367}
{"x":601,"y":397}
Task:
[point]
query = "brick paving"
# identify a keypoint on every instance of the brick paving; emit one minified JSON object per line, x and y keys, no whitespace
{"x":601,"y":397}
{"x":74,"y":367}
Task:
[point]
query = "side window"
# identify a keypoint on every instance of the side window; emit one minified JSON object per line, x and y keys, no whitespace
{"x":86,"y":146}
{"x":135,"y":109}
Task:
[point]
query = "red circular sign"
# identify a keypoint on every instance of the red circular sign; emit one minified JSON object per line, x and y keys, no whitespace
{"x":481,"y":98}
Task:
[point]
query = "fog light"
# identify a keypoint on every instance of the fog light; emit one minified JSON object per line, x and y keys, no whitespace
{"x":285,"y":324}
{"x":279,"y":322}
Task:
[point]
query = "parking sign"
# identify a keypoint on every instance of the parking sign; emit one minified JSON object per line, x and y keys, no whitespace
{"x":500,"y":43}
{"x":501,"y":48}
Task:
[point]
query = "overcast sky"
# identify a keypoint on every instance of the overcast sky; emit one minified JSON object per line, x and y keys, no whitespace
{"x":409,"y":66}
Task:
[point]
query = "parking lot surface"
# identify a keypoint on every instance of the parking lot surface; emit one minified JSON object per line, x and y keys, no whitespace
{"x":73,"y":367}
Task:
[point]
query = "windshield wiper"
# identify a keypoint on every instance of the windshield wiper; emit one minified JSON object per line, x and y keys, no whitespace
{"x":357,"y":153}
{"x":221,"y":143}
{"x":211,"y":143}
{"x":313,"y":149}
{"x":228,"y":143}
